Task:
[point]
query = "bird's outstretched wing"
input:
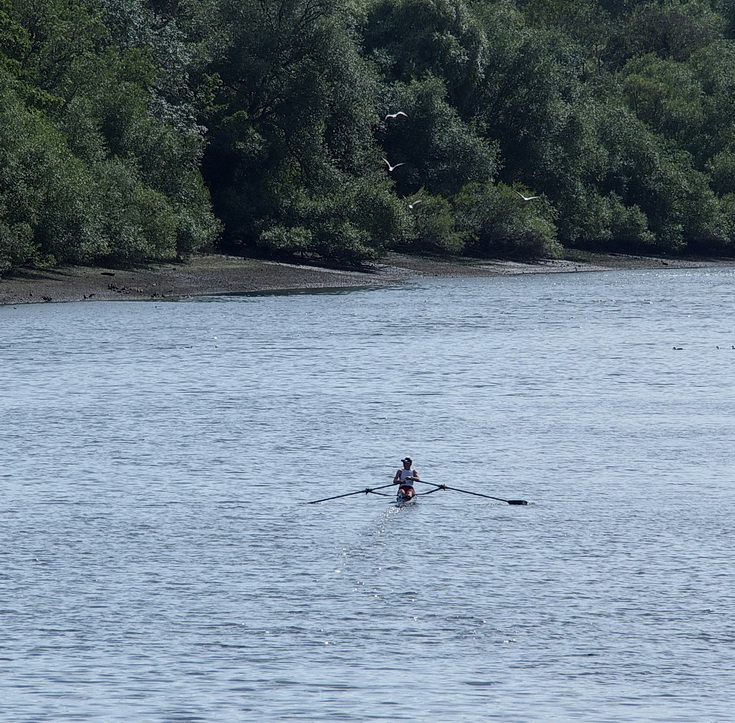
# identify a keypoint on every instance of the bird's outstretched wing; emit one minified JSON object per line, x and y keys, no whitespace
{"x":392,"y":168}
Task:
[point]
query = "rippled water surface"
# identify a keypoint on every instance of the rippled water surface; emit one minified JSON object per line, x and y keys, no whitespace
{"x":157,"y":562}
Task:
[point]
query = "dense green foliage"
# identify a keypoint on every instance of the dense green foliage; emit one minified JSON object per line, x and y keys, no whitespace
{"x":139,"y":130}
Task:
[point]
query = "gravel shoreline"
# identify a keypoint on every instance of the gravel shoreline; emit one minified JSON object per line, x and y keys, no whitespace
{"x":218,"y":274}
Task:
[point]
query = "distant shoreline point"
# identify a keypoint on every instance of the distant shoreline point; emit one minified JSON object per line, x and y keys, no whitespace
{"x":219,"y":274}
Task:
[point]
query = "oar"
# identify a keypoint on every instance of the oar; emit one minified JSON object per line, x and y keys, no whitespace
{"x":430,"y":492}
{"x":366,"y":491}
{"x":477,"y":494}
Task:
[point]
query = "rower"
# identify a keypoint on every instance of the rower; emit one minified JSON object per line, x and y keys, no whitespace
{"x":405,"y":477}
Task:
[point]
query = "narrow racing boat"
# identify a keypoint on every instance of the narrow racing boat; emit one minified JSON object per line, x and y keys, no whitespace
{"x":405,"y":495}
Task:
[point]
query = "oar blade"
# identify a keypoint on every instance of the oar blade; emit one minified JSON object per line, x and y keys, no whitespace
{"x":517,"y":502}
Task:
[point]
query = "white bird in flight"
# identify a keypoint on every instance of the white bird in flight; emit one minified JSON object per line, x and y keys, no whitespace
{"x":527,"y":198}
{"x":415,"y":203}
{"x":392,"y":168}
{"x":395,"y":115}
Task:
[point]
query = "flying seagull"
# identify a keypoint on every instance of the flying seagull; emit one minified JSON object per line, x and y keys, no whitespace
{"x":395,"y":115}
{"x":415,"y":203}
{"x":392,"y":168}
{"x":527,"y":198}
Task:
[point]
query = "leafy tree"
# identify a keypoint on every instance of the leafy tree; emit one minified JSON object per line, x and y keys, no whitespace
{"x":122,"y":122}
{"x":93,"y":145}
{"x":721,"y":171}
{"x":434,"y":226}
{"x":667,"y":97}
{"x":44,"y":188}
{"x":14,"y":41}
{"x":16,"y":244}
{"x":345,"y":228}
{"x":440,"y":152}
{"x":712,"y":67}
{"x":413,"y":39}
{"x":290,"y":120}
{"x":496,"y":222}
{"x":645,"y":174}
{"x":528,"y":96}
{"x":586,"y":23}
{"x":670,"y":28}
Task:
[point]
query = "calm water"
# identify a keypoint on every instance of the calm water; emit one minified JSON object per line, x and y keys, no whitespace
{"x":157,"y":562}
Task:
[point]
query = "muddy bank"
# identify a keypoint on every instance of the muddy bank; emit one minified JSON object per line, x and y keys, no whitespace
{"x":217,"y":274}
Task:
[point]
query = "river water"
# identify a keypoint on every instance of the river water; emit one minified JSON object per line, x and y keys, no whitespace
{"x":158,"y":563}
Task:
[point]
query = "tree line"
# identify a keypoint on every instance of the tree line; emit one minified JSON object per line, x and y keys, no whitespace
{"x":336,"y":130}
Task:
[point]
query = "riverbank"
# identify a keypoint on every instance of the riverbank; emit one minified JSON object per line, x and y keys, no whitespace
{"x":218,"y":274}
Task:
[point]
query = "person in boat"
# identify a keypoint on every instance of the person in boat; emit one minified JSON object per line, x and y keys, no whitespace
{"x":405,"y":477}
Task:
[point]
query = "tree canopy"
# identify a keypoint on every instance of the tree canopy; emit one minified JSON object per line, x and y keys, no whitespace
{"x":140,"y":130}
